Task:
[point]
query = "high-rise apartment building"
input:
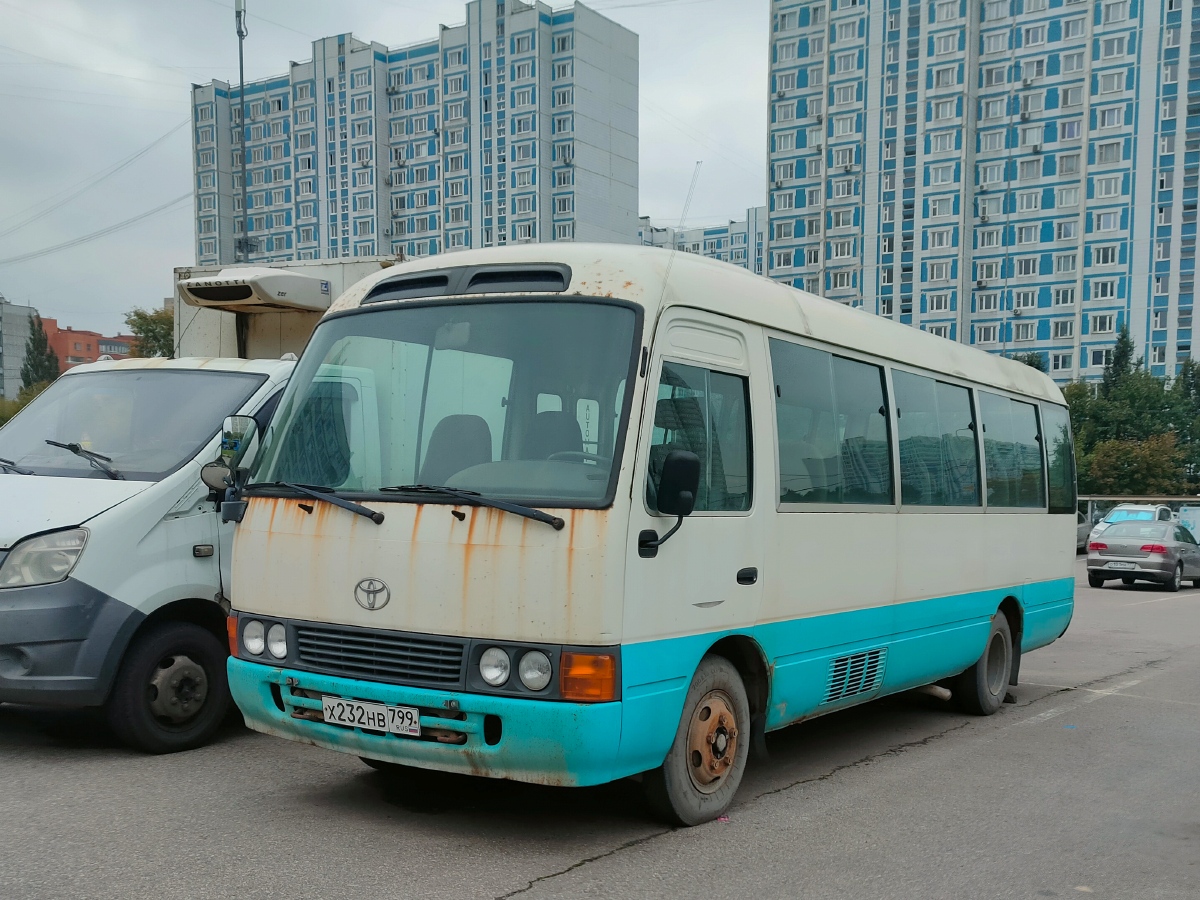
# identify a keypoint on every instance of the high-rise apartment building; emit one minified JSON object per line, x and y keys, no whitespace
{"x":14,"y":335}
{"x":741,"y":242}
{"x":1016,"y":174}
{"x":519,"y":125}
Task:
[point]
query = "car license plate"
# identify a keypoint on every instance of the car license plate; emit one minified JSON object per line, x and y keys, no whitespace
{"x":404,"y":720}
{"x":1117,"y":565}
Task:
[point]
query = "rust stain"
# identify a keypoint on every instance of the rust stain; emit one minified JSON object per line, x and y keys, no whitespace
{"x":628,"y":284}
{"x":468,"y":549}
{"x":420,"y":507}
{"x":569,"y":596}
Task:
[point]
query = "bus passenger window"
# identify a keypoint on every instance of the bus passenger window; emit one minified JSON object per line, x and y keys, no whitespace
{"x":707,"y":413}
{"x":1056,"y":426}
{"x":1012,"y":452}
{"x":939,"y":460}
{"x":831,"y":414}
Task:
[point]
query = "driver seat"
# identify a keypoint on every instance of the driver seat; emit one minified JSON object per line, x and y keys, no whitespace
{"x":553,"y":432}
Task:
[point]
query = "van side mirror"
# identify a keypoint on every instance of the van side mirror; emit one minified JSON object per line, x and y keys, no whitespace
{"x":678,"y":483}
{"x":215,"y":475}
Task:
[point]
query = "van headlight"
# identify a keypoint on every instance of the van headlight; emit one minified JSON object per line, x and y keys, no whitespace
{"x":45,"y":559}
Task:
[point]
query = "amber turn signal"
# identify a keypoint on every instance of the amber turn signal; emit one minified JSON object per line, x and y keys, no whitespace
{"x":231,"y":630}
{"x":591,"y":677}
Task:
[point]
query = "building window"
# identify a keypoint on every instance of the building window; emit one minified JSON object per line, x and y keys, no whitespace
{"x":987,"y":334}
{"x":1025,"y":331}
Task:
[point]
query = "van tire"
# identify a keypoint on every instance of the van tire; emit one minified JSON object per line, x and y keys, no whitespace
{"x":682,"y":791}
{"x":980,"y":689}
{"x":166,"y":669}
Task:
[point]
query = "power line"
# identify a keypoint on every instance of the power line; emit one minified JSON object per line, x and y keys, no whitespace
{"x":96,"y":235}
{"x":67,"y":65}
{"x":87,"y":184}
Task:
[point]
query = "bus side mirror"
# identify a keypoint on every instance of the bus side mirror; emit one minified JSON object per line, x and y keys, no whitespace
{"x":237,"y":432}
{"x":678,"y":484}
{"x":215,"y":476}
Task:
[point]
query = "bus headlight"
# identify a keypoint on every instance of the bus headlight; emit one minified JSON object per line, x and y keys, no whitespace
{"x":253,"y":637}
{"x":45,"y":559}
{"x":534,"y":670}
{"x":277,"y":641}
{"x":494,"y":666}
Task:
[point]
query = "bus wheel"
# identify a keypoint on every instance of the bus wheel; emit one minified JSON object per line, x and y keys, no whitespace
{"x":704,"y":767}
{"x":980,"y":690}
{"x":171,"y":692}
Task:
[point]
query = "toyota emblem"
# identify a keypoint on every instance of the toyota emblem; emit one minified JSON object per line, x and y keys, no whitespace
{"x":371,"y":593}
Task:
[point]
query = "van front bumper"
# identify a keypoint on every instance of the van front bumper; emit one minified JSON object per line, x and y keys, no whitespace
{"x":538,"y":741}
{"x":60,"y":644}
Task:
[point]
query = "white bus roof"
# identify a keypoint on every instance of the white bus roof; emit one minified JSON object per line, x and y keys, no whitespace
{"x":258,"y":366}
{"x":637,"y":274}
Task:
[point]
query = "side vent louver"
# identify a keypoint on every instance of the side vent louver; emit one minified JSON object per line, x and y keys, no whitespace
{"x":859,"y":673}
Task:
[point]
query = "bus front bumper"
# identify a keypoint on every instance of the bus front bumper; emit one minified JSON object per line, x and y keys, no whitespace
{"x":537,"y":741}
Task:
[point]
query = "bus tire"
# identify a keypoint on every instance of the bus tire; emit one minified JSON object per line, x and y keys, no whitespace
{"x":702,"y":771}
{"x":980,"y":690}
{"x":171,"y":692}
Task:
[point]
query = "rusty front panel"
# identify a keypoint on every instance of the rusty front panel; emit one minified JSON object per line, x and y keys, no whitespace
{"x":492,"y":574}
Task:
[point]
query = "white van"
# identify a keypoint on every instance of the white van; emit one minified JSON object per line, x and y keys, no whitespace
{"x":111,"y":548}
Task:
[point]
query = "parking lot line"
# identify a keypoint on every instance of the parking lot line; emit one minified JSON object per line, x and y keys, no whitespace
{"x":1158,"y":599}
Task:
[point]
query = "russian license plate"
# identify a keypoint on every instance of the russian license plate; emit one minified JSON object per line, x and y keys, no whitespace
{"x":1118,"y":565}
{"x":404,"y":720}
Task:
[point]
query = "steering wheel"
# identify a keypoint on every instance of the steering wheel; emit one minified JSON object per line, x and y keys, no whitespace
{"x":581,"y":455}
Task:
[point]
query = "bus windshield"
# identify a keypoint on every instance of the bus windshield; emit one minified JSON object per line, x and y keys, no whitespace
{"x":520,"y":400}
{"x":143,"y":423}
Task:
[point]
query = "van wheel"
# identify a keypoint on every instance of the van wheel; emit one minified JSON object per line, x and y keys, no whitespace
{"x":171,"y":692}
{"x":980,"y":690}
{"x":1095,"y":580}
{"x":702,"y":771}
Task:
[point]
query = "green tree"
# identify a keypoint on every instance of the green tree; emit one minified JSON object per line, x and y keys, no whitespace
{"x":154,"y":330}
{"x":41,"y":363}
{"x":1154,"y":465}
{"x":1033,"y":359}
{"x":1121,"y":364}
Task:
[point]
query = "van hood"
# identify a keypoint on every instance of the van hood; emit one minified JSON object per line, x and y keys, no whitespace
{"x":30,"y":504}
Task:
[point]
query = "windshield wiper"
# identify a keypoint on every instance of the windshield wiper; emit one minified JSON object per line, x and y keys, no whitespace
{"x":474,"y":498}
{"x":8,"y":465}
{"x":97,"y":461}
{"x":320,"y":492}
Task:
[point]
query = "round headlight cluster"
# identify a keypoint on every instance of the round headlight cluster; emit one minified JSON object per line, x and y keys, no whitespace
{"x":534,"y":669}
{"x":257,"y":637}
{"x":494,"y":666}
{"x":254,"y":637}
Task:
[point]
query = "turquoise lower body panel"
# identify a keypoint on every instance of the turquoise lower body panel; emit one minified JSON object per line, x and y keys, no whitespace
{"x":571,"y":744}
{"x":924,"y":640}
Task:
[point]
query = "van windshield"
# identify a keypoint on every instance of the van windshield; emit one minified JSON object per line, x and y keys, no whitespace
{"x":146,"y":422}
{"x":519,"y":400}
{"x":1130,"y":515}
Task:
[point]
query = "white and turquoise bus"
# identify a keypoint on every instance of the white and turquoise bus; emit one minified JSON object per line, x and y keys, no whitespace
{"x":566,"y":514}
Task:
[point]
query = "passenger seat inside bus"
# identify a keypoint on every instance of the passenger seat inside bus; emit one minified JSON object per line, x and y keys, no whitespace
{"x":457,"y":443}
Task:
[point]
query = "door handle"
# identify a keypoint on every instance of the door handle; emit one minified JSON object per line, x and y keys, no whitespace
{"x":748,"y":575}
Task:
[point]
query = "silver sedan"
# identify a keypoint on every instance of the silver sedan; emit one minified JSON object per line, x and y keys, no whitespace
{"x":1144,"y":551}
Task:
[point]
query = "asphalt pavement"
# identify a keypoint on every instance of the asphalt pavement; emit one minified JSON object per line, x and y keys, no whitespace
{"x":1088,"y":785}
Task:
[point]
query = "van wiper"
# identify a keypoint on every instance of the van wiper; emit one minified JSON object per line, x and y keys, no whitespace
{"x":97,"y":461}
{"x":320,"y":492}
{"x":474,"y":498}
{"x":8,"y":465}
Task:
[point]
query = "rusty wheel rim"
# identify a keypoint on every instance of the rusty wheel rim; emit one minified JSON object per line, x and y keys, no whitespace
{"x":711,"y":742}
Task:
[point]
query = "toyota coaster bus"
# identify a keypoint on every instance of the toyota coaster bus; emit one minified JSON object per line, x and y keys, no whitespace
{"x":564,"y":514}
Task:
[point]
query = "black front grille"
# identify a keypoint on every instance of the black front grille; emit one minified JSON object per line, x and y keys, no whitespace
{"x":383,"y":656}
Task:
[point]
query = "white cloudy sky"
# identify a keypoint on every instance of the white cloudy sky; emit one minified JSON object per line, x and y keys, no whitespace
{"x":86,"y":84}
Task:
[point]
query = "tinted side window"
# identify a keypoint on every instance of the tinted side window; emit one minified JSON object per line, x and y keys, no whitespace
{"x":831,"y":414}
{"x":1012,"y":451}
{"x":707,"y":413}
{"x":939,"y":459}
{"x":1060,"y":459}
